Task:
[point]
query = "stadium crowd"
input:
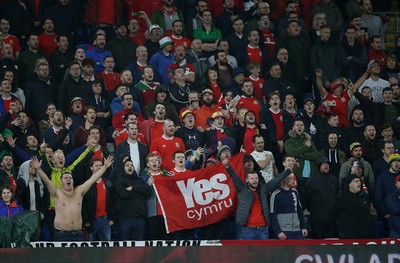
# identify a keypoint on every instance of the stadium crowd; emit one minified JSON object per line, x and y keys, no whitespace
{"x":304,"y":88}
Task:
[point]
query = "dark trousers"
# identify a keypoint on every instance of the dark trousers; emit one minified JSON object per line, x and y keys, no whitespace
{"x":216,"y":231}
{"x":51,"y":214}
{"x":322,"y":230}
{"x":131,"y":228}
{"x":155,"y":228}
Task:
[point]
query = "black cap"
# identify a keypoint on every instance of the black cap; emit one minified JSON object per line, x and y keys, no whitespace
{"x":248,"y":157}
{"x":119,"y":25}
{"x":237,"y":71}
{"x":322,"y":160}
{"x":308,"y":99}
{"x":160,"y":89}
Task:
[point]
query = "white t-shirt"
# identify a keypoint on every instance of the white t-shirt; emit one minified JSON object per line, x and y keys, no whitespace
{"x":268,"y":171}
{"x":32,"y":195}
{"x":376,"y":87}
{"x":134,"y":151}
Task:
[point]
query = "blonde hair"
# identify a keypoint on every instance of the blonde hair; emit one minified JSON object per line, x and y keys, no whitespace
{"x":41,"y":62}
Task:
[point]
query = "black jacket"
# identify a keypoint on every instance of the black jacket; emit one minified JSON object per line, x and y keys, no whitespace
{"x":69,"y":89}
{"x":353,"y":218}
{"x":131,"y":203}
{"x":193,"y":138}
{"x":281,"y":85}
{"x":122,"y":151}
{"x":38,"y":94}
{"x":90,"y":201}
{"x":321,"y":192}
{"x":40,"y":201}
{"x":268,"y":120}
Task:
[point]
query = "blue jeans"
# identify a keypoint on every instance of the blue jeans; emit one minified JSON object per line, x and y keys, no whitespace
{"x":60,"y":235}
{"x":253,"y":233}
{"x":131,"y":228}
{"x":101,"y":229}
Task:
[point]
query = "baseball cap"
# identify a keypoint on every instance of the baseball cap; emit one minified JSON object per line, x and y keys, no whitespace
{"x":76,"y":99}
{"x":207,"y":91}
{"x":249,"y":111}
{"x":308,"y":99}
{"x":186,"y":112}
{"x":119,"y":25}
{"x":372,"y":62}
{"x":217,"y":114}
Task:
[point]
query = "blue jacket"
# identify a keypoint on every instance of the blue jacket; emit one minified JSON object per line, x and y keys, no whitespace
{"x":286,"y":211}
{"x":98,"y":56}
{"x":385,"y":185}
{"x":11,"y":210}
{"x":116,"y":106}
{"x":393,"y":207}
{"x":160,"y":62}
{"x":2,"y":108}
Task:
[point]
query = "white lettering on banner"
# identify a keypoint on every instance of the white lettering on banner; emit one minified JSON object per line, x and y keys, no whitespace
{"x":345,"y":258}
{"x":392,"y":257}
{"x":207,"y":210}
{"x":374,"y":259}
{"x":203,"y":191}
{"x":156,"y":243}
{"x":329,"y":258}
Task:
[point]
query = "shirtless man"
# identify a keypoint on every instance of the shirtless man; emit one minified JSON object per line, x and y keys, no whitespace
{"x":68,"y":201}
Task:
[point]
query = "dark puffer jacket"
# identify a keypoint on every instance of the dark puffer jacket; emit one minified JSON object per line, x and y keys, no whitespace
{"x":246,"y":196}
{"x":353,"y":217}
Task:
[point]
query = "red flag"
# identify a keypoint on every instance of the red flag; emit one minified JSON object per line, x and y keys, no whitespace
{"x":198,"y":198}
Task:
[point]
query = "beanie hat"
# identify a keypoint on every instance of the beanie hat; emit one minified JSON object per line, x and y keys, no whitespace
{"x":224,"y":148}
{"x":347,"y":180}
{"x":354,"y":145}
{"x":394,"y":157}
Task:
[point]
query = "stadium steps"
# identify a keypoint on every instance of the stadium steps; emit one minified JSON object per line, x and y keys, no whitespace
{"x":392,"y":26}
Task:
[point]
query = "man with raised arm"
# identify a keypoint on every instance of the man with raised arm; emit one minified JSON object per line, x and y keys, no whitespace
{"x":68,"y":201}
